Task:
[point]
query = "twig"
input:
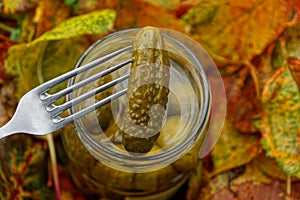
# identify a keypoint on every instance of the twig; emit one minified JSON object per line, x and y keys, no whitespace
{"x":254,"y":75}
{"x":288,"y":184}
{"x":49,"y":137}
{"x":54,"y":165}
{"x":7,"y":28}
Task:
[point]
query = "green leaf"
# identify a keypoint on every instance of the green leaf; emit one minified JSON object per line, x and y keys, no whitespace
{"x":15,"y":35}
{"x":280,"y":121}
{"x":70,"y":2}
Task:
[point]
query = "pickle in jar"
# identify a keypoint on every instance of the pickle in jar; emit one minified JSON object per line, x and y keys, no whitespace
{"x":148,"y":89}
{"x":104,"y":113}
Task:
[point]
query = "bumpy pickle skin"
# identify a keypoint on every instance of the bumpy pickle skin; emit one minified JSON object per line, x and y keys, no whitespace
{"x":148,"y":89}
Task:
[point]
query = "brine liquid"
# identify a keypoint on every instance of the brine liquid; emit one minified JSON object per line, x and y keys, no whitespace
{"x":183,"y":107}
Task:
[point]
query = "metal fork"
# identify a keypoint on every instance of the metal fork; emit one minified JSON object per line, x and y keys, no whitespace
{"x":36,"y":112}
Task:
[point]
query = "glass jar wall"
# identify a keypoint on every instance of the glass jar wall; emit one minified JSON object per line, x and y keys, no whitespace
{"x":100,"y":165}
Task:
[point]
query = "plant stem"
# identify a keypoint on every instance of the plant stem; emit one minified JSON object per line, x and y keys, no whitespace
{"x":49,"y":137}
{"x":288,"y":184}
{"x":54,"y":165}
{"x":6,"y":28}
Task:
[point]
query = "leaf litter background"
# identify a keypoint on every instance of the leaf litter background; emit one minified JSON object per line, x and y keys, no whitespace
{"x":255,"y":43}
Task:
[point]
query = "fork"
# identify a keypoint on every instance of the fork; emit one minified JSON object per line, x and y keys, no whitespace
{"x":37,"y":113}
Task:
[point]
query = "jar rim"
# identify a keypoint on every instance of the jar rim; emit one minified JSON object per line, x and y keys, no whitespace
{"x":142,"y":163}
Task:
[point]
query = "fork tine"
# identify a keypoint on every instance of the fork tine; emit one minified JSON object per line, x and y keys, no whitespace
{"x":54,"y":97}
{"x":63,"y":107}
{"x":89,"y":109}
{"x":49,"y":84}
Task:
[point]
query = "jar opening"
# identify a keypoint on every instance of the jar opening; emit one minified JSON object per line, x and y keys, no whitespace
{"x":187,"y":111}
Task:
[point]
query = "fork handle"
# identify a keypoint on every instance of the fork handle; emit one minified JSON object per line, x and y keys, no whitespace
{"x":7,"y":130}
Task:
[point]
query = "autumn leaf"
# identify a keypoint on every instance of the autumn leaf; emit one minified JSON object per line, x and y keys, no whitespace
{"x":253,"y":182}
{"x":23,"y":169}
{"x":292,"y":42}
{"x":270,"y":167}
{"x":175,"y":4}
{"x":213,"y":186}
{"x":242,"y":100}
{"x":285,"y":51}
{"x":233,"y":31}
{"x":238,"y":34}
{"x":135,"y":13}
{"x":168,"y":4}
{"x":290,"y":45}
{"x":280,"y":122}
{"x":46,"y":15}
{"x":5,"y":43}
{"x":29,"y":62}
{"x":56,"y":51}
{"x":234,"y":149}
{"x":14,"y":7}
{"x":93,"y":23}
{"x":244,"y":191}
{"x":294,"y":66}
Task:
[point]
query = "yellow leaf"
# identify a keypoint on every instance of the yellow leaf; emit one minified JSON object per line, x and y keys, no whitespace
{"x":56,"y":51}
{"x":96,"y":22}
{"x":234,"y":149}
{"x":235,"y":30}
{"x":280,"y":121}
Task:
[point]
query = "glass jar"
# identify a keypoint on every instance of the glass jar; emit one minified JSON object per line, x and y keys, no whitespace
{"x":99,"y":164}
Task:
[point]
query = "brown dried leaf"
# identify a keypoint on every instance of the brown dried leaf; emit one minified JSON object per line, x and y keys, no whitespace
{"x":242,"y":100}
{"x":252,"y":184}
{"x":245,"y":191}
{"x":8,"y":100}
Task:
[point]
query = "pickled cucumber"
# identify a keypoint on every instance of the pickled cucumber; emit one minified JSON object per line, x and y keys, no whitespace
{"x":104,"y":113}
{"x":170,"y":133}
{"x":148,"y":89}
